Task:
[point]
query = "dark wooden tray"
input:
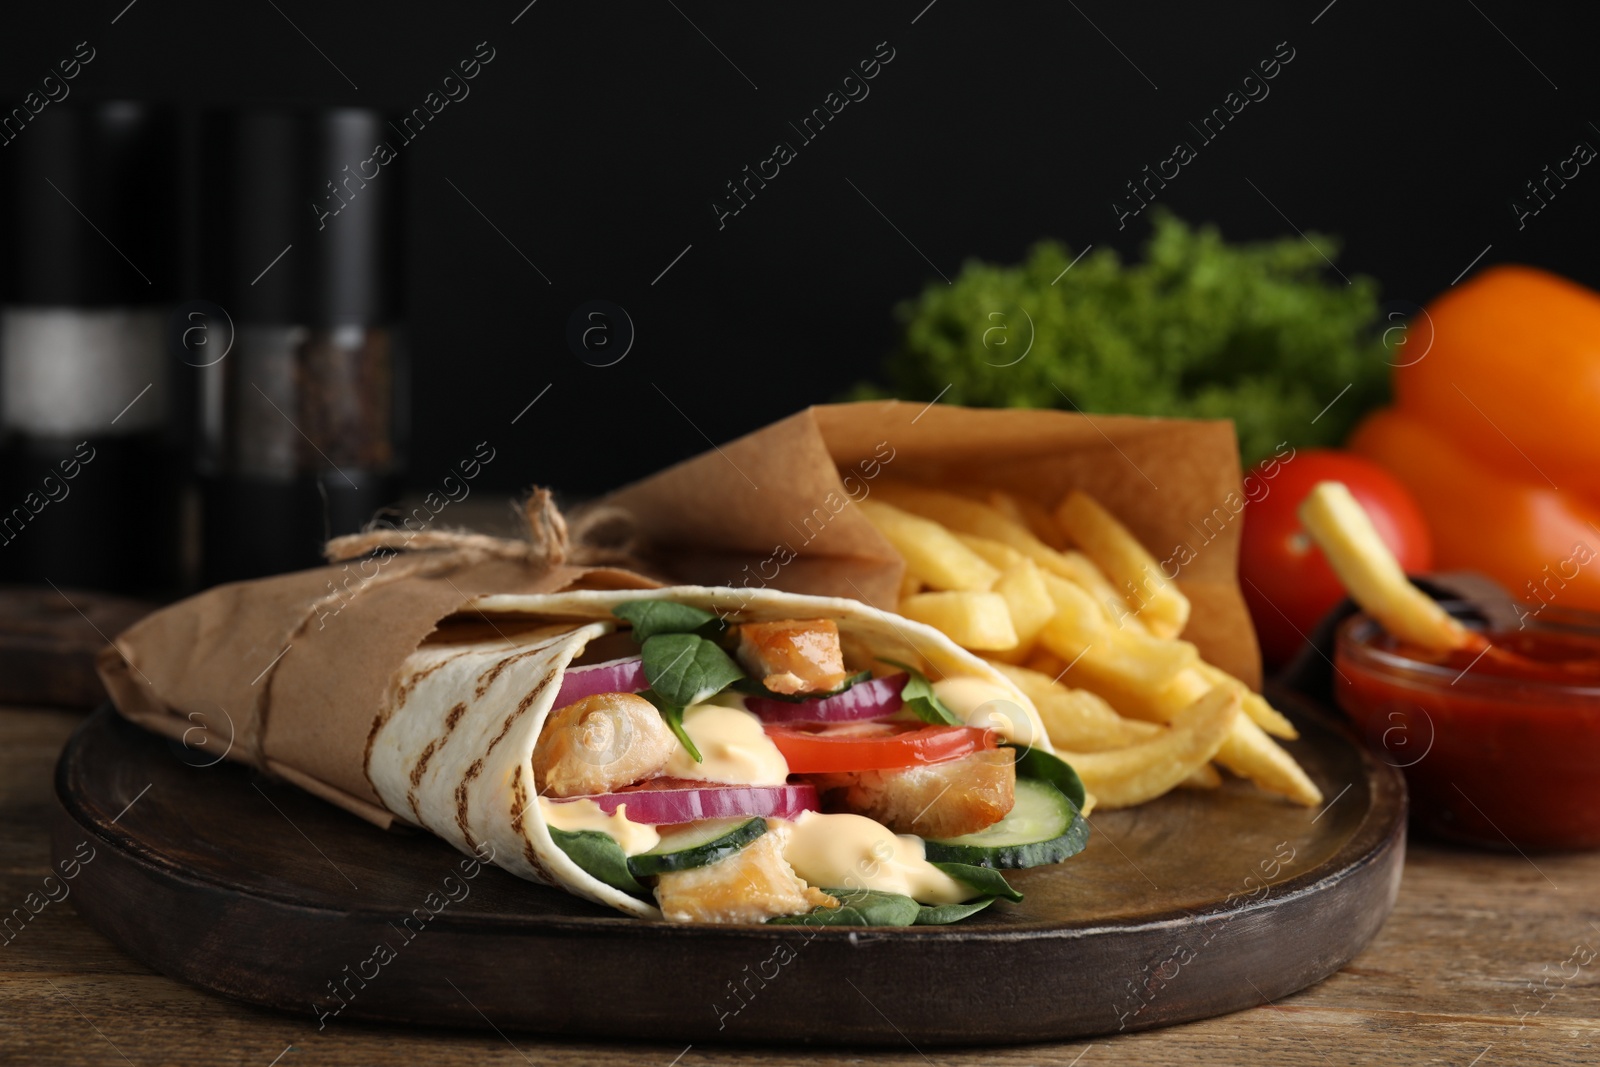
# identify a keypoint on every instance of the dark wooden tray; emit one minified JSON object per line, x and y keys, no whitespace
{"x":1184,"y":908}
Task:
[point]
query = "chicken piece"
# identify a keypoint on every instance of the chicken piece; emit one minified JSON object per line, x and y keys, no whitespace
{"x":793,"y":656}
{"x":937,"y":800}
{"x":752,"y":885}
{"x":600,"y":744}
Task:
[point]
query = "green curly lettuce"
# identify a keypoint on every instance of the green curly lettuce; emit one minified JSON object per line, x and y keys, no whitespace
{"x":1263,"y":334}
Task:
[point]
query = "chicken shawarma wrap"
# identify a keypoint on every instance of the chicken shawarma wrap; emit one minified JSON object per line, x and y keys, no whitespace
{"x":722,"y":756}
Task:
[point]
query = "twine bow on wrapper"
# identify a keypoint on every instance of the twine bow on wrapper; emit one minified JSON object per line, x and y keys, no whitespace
{"x":597,"y":536}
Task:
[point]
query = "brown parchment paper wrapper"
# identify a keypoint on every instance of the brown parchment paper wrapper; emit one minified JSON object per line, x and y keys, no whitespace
{"x":267,"y":672}
{"x":734,"y":515}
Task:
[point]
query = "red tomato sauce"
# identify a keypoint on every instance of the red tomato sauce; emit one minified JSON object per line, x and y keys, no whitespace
{"x":1524,"y":655}
{"x":1500,"y":747}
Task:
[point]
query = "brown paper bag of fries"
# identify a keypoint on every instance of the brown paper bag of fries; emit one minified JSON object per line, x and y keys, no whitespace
{"x":772,"y":509}
{"x":1090,"y":559}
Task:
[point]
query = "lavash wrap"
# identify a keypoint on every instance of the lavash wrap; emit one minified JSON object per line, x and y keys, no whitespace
{"x":452,"y":750}
{"x":365,"y":708}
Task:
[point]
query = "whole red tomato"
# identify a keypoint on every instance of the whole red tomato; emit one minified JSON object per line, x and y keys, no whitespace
{"x":1287,"y":583}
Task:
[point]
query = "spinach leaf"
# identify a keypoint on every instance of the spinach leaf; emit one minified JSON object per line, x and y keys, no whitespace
{"x":685,"y":669}
{"x":673,"y":714}
{"x":600,"y":855}
{"x":859,"y":907}
{"x":756,"y":689}
{"x":651,"y":617}
{"x":1033,"y":763}
{"x":871,"y":907}
{"x":983,"y":879}
{"x":918,"y":696}
{"x":941,"y":914}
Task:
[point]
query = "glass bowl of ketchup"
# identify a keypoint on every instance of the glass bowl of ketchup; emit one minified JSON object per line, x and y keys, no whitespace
{"x":1499,"y":748}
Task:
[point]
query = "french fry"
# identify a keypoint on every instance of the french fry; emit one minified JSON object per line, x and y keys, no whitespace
{"x":1043,"y":661}
{"x":1112,"y":668}
{"x":1133,"y":696}
{"x":1080,"y":632}
{"x":1078,"y":618}
{"x":1250,"y":753}
{"x":1132,"y":570}
{"x":1073,"y":566}
{"x":1372,"y":575}
{"x":931,"y":552}
{"x":1203,"y":777}
{"x":1255,"y":705}
{"x":996,"y":553}
{"x":1141,"y":713}
{"x":1144,"y":771}
{"x":1076,"y":719}
{"x":1030,"y":514}
{"x":1000,"y":539}
{"x":1161,"y":704}
{"x":1028,"y":600}
{"x":1080,"y":570}
{"x":972,"y":517}
{"x":977,"y":621}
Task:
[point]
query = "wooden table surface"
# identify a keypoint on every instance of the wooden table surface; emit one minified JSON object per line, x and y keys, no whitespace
{"x":1488,"y":960}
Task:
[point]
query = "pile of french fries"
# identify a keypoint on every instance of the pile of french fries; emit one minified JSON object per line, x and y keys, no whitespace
{"x":1073,"y":609}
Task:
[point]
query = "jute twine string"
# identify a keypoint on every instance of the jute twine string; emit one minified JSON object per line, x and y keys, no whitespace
{"x":597,"y":536}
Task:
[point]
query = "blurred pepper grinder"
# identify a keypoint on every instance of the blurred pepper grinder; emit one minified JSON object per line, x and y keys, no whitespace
{"x":92,"y":463}
{"x":302,"y":421}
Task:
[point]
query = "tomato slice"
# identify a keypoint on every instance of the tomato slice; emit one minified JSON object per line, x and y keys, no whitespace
{"x":816,"y":748}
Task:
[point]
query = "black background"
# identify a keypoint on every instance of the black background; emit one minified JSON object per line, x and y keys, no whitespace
{"x":597,"y":138}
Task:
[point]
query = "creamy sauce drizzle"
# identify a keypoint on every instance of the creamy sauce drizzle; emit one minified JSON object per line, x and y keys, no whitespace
{"x":986,"y":705}
{"x":733,"y":746}
{"x":855,"y":852}
{"x":575,"y":816}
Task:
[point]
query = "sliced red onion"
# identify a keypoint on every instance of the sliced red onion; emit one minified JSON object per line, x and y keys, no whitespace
{"x":676,"y":800}
{"x":875,"y":699}
{"x":613,"y":676}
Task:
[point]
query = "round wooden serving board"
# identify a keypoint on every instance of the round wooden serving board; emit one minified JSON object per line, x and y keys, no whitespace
{"x":1195,"y":905}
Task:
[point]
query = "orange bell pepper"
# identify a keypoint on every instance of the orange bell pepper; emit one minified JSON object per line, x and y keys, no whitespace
{"x":1496,"y":431}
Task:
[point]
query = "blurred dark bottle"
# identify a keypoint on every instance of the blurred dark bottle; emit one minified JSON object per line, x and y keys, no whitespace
{"x":302,"y":430}
{"x":92,"y":461}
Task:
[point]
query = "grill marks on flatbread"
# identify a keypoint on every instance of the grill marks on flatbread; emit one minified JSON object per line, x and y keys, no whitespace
{"x":463,"y":793}
{"x":487,"y":678}
{"x":451,"y":749}
{"x":461,"y":813}
{"x":522,"y":706}
{"x":409,"y":685}
{"x":404,"y":684}
{"x":420,"y":768}
{"x":425,"y":664}
{"x":520,"y":801}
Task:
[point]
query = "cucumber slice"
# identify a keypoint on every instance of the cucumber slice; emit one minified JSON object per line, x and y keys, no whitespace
{"x":697,"y":845}
{"x":1042,"y":827}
